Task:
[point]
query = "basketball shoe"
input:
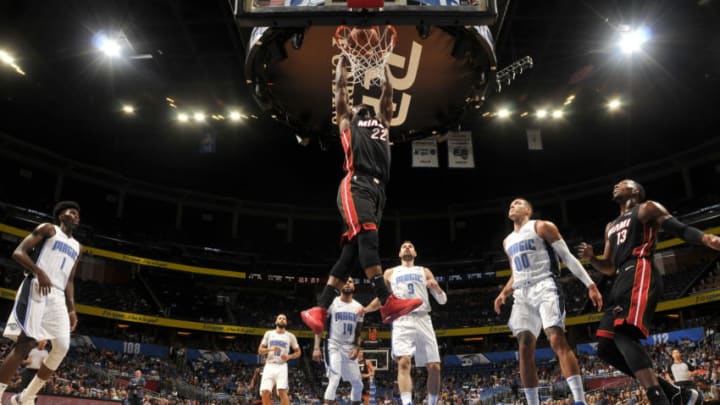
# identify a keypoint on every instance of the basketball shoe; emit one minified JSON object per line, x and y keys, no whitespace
{"x":315,"y":318}
{"x":396,"y":307}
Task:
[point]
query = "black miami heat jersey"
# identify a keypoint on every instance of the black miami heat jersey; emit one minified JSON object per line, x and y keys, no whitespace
{"x":367,"y":148}
{"x":629,"y":238}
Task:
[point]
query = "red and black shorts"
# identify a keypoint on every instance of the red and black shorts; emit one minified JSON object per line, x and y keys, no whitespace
{"x":361,"y":200}
{"x":632,"y":299}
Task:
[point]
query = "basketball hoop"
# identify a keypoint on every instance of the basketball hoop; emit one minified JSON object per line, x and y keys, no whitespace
{"x":368,"y":50}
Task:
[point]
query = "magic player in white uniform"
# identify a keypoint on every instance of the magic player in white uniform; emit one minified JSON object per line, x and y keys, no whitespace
{"x":531,"y":249}
{"x":413,"y":334}
{"x":44,"y":306}
{"x":276,"y":344}
{"x":343,"y":344}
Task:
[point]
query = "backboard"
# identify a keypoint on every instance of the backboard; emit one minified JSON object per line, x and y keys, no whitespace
{"x":380,"y":358}
{"x":303,"y":13}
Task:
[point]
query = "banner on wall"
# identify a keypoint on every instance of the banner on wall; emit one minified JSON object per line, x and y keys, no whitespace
{"x":693,"y":334}
{"x":534,"y":139}
{"x":424,"y":153}
{"x":460,"y":150}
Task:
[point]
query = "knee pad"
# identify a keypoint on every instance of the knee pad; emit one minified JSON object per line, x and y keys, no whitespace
{"x":60,"y":347}
{"x":331,"y":390}
{"x":345,"y":265}
{"x":356,"y":391}
{"x":633,"y":351}
{"x":369,"y":247}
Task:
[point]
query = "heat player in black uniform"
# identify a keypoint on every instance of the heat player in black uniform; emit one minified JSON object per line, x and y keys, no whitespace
{"x":361,"y":198}
{"x":629,"y":245}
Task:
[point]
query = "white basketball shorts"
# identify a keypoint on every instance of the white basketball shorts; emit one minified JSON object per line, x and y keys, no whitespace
{"x":537,"y":307}
{"x":338,"y":362}
{"x":38,"y":316}
{"x":274,"y":375}
{"x":413,"y":335}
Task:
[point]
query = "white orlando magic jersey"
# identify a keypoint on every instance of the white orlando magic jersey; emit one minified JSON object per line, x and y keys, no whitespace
{"x":409,"y":282}
{"x":343,"y":321}
{"x":284,"y":341}
{"x":57,"y":258}
{"x":530,"y":257}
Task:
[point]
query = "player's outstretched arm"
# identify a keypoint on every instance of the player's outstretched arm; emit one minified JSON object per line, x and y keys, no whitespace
{"x":651,"y":211}
{"x":317,"y":353}
{"x":386,"y":99}
{"x":70,"y":295}
{"x":342,"y":106}
{"x":604,"y":265}
{"x":504,"y":293}
{"x":21,"y":255}
{"x":434,"y":287}
{"x":549,"y":231}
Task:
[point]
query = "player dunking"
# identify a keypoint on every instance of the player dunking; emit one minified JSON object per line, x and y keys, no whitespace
{"x":531,"y":249}
{"x":343,"y":345}
{"x":413,"y":334}
{"x":630,"y":242}
{"x":45,"y":302}
{"x":361,"y":199}
{"x":276,"y":344}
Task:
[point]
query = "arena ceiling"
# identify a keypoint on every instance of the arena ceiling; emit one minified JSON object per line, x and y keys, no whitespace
{"x":191,"y":52}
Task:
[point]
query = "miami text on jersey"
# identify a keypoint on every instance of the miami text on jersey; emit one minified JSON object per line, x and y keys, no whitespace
{"x":619,"y":226}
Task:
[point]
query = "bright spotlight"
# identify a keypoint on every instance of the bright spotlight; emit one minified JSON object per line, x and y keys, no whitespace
{"x":109,"y":46}
{"x":6,"y":58}
{"x":541,"y":113}
{"x":199,"y":117}
{"x":503,"y":113}
{"x":614,"y":104}
{"x":557,"y":114}
{"x":234,"y":116}
{"x":632,"y":41}
{"x":182,"y":117}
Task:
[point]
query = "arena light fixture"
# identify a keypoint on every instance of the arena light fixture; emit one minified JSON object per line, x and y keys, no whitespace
{"x":541,"y":114}
{"x":557,"y":114}
{"x":6,"y":58}
{"x":199,"y":117}
{"x":503,"y":113}
{"x":614,"y":104}
{"x":235,"y":116}
{"x":632,"y":40}
{"x":107,"y":45}
{"x":128,"y":109}
{"x":183,"y":117}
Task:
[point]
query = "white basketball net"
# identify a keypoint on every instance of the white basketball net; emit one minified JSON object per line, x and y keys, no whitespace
{"x":367,"y":61}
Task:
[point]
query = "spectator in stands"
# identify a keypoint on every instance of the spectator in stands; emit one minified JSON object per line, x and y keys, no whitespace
{"x":136,"y":388}
{"x":630,"y":242}
{"x":710,"y":392}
